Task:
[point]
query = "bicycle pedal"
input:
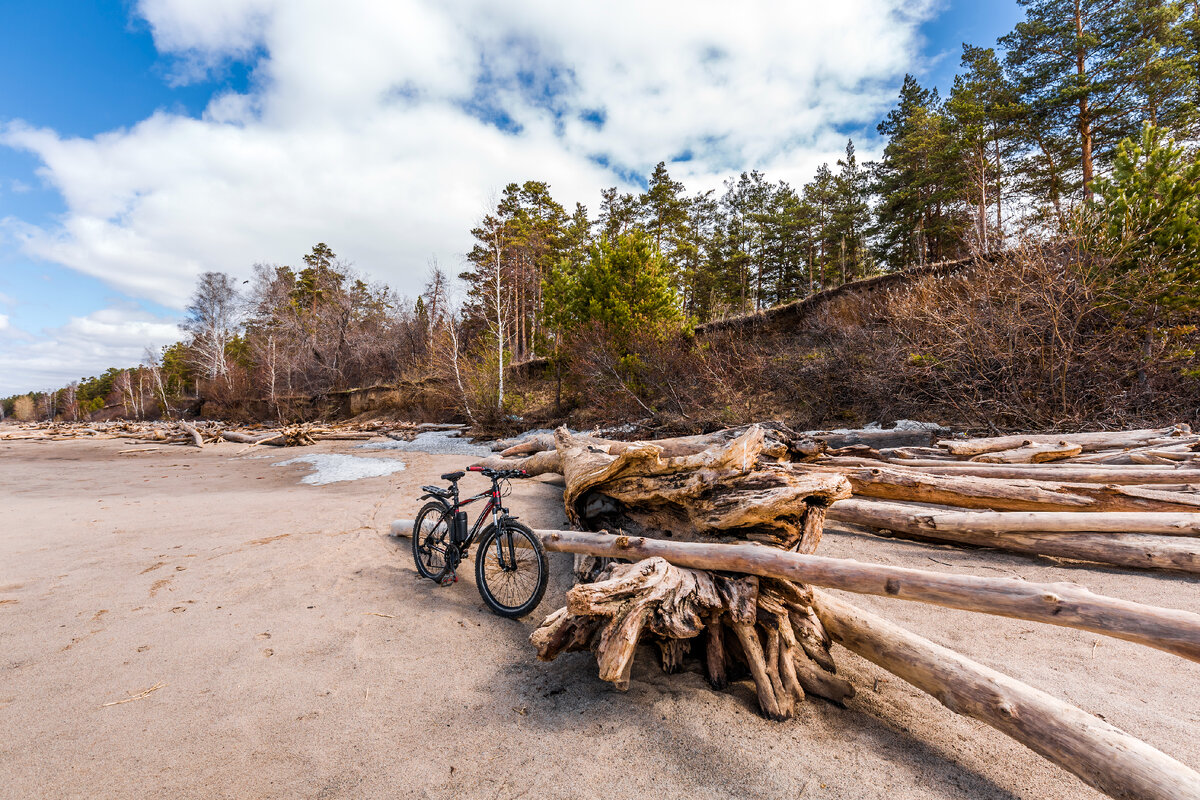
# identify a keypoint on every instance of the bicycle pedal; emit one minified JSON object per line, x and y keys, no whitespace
{"x":449,"y":580}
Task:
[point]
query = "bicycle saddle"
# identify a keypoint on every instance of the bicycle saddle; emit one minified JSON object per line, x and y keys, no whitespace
{"x":453,"y":476}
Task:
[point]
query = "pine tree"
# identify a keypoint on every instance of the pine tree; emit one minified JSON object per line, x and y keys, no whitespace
{"x":851,"y":215}
{"x":1160,"y":65}
{"x":1068,"y":57}
{"x":982,"y":104}
{"x":919,"y":182}
{"x":664,"y":213}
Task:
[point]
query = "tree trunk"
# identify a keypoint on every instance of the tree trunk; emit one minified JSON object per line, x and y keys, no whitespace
{"x":1101,"y":755}
{"x":972,"y":491}
{"x":1144,"y":551}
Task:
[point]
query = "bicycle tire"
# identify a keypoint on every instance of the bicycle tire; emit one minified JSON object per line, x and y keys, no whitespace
{"x":511,"y":590}
{"x":431,"y":542}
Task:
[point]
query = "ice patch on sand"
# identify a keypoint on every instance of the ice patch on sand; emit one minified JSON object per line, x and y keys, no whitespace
{"x":441,"y":443}
{"x":334,"y":468}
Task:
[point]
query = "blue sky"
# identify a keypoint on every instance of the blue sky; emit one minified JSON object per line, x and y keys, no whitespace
{"x":142,"y":143}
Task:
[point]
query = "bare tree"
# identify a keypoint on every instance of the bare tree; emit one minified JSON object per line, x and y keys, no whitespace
{"x":213,"y":321}
{"x":151,"y":362}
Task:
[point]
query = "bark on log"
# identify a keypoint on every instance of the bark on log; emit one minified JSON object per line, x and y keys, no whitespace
{"x":1138,"y":550}
{"x":971,"y":491}
{"x":1101,"y":755}
{"x":1089,"y":442}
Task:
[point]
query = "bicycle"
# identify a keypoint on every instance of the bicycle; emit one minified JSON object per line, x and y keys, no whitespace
{"x":510,"y":563}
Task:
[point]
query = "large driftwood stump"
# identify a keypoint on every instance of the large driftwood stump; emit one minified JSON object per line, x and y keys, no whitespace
{"x":733,"y":489}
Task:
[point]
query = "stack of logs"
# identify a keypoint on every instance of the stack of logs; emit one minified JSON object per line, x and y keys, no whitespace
{"x":716,"y":542}
{"x":1128,"y":498}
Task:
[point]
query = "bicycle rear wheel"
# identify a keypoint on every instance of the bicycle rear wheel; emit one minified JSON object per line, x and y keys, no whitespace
{"x":510,"y":569}
{"x":431,"y":542}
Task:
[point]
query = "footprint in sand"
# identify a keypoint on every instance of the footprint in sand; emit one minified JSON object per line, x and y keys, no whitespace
{"x":268,"y":652}
{"x":263,"y":636}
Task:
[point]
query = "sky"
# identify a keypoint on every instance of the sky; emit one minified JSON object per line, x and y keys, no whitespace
{"x":145,"y":142}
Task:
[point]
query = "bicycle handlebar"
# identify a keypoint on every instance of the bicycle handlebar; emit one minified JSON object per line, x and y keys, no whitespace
{"x":500,"y":473}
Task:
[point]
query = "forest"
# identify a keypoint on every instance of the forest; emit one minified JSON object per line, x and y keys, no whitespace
{"x":1060,"y":174}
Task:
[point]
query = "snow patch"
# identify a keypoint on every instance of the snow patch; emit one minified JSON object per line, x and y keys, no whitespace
{"x":334,"y":468}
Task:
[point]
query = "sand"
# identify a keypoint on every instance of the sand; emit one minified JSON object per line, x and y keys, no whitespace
{"x":297,"y":654}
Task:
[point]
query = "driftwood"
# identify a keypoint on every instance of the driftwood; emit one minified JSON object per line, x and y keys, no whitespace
{"x":763,"y":626}
{"x":191,"y":430}
{"x":1064,"y":604}
{"x":734,"y":489}
{"x":1032,"y":453}
{"x":1088,"y":442}
{"x":1099,"y":754}
{"x":972,"y":491}
{"x":1072,"y":473}
{"x":1173,"y":548}
{"x":729,"y":491}
{"x":692,"y":577}
{"x":1067,"y":605}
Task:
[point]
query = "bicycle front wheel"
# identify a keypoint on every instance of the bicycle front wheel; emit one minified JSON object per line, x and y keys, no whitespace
{"x":511,"y":570}
{"x":431,"y":542}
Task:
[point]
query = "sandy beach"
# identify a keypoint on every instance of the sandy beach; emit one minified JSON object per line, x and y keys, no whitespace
{"x":293,"y":652}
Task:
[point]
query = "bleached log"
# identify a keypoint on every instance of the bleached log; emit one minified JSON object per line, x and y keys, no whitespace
{"x":1089,"y":442}
{"x":272,"y":438}
{"x":972,"y":491}
{"x":1069,"y":472}
{"x":730,"y":490}
{"x":191,"y":431}
{"x":1065,"y":604}
{"x":988,"y":522}
{"x":1032,"y":453}
{"x":540,"y":463}
{"x":1169,"y":546}
{"x":1101,"y":755}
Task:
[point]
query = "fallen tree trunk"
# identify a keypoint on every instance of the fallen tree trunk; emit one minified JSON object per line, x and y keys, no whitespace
{"x":1032,"y":453}
{"x":273,"y":438}
{"x":1067,"y":605}
{"x":1064,"y":604}
{"x":730,"y":490}
{"x":972,"y":491}
{"x":1176,"y":551}
{"x":1101,"y":755}
{"x":1088,"y":442}
{"x":1116,"y":475}
{"x":195,"y":434}
{"x":540,"y":463}
{"x":1049,"y":522}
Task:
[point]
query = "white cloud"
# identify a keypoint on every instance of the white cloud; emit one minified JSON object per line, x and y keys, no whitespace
{"x":376,"y":127}
{"x":114,"y":336}
{"x":357,"y":130}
